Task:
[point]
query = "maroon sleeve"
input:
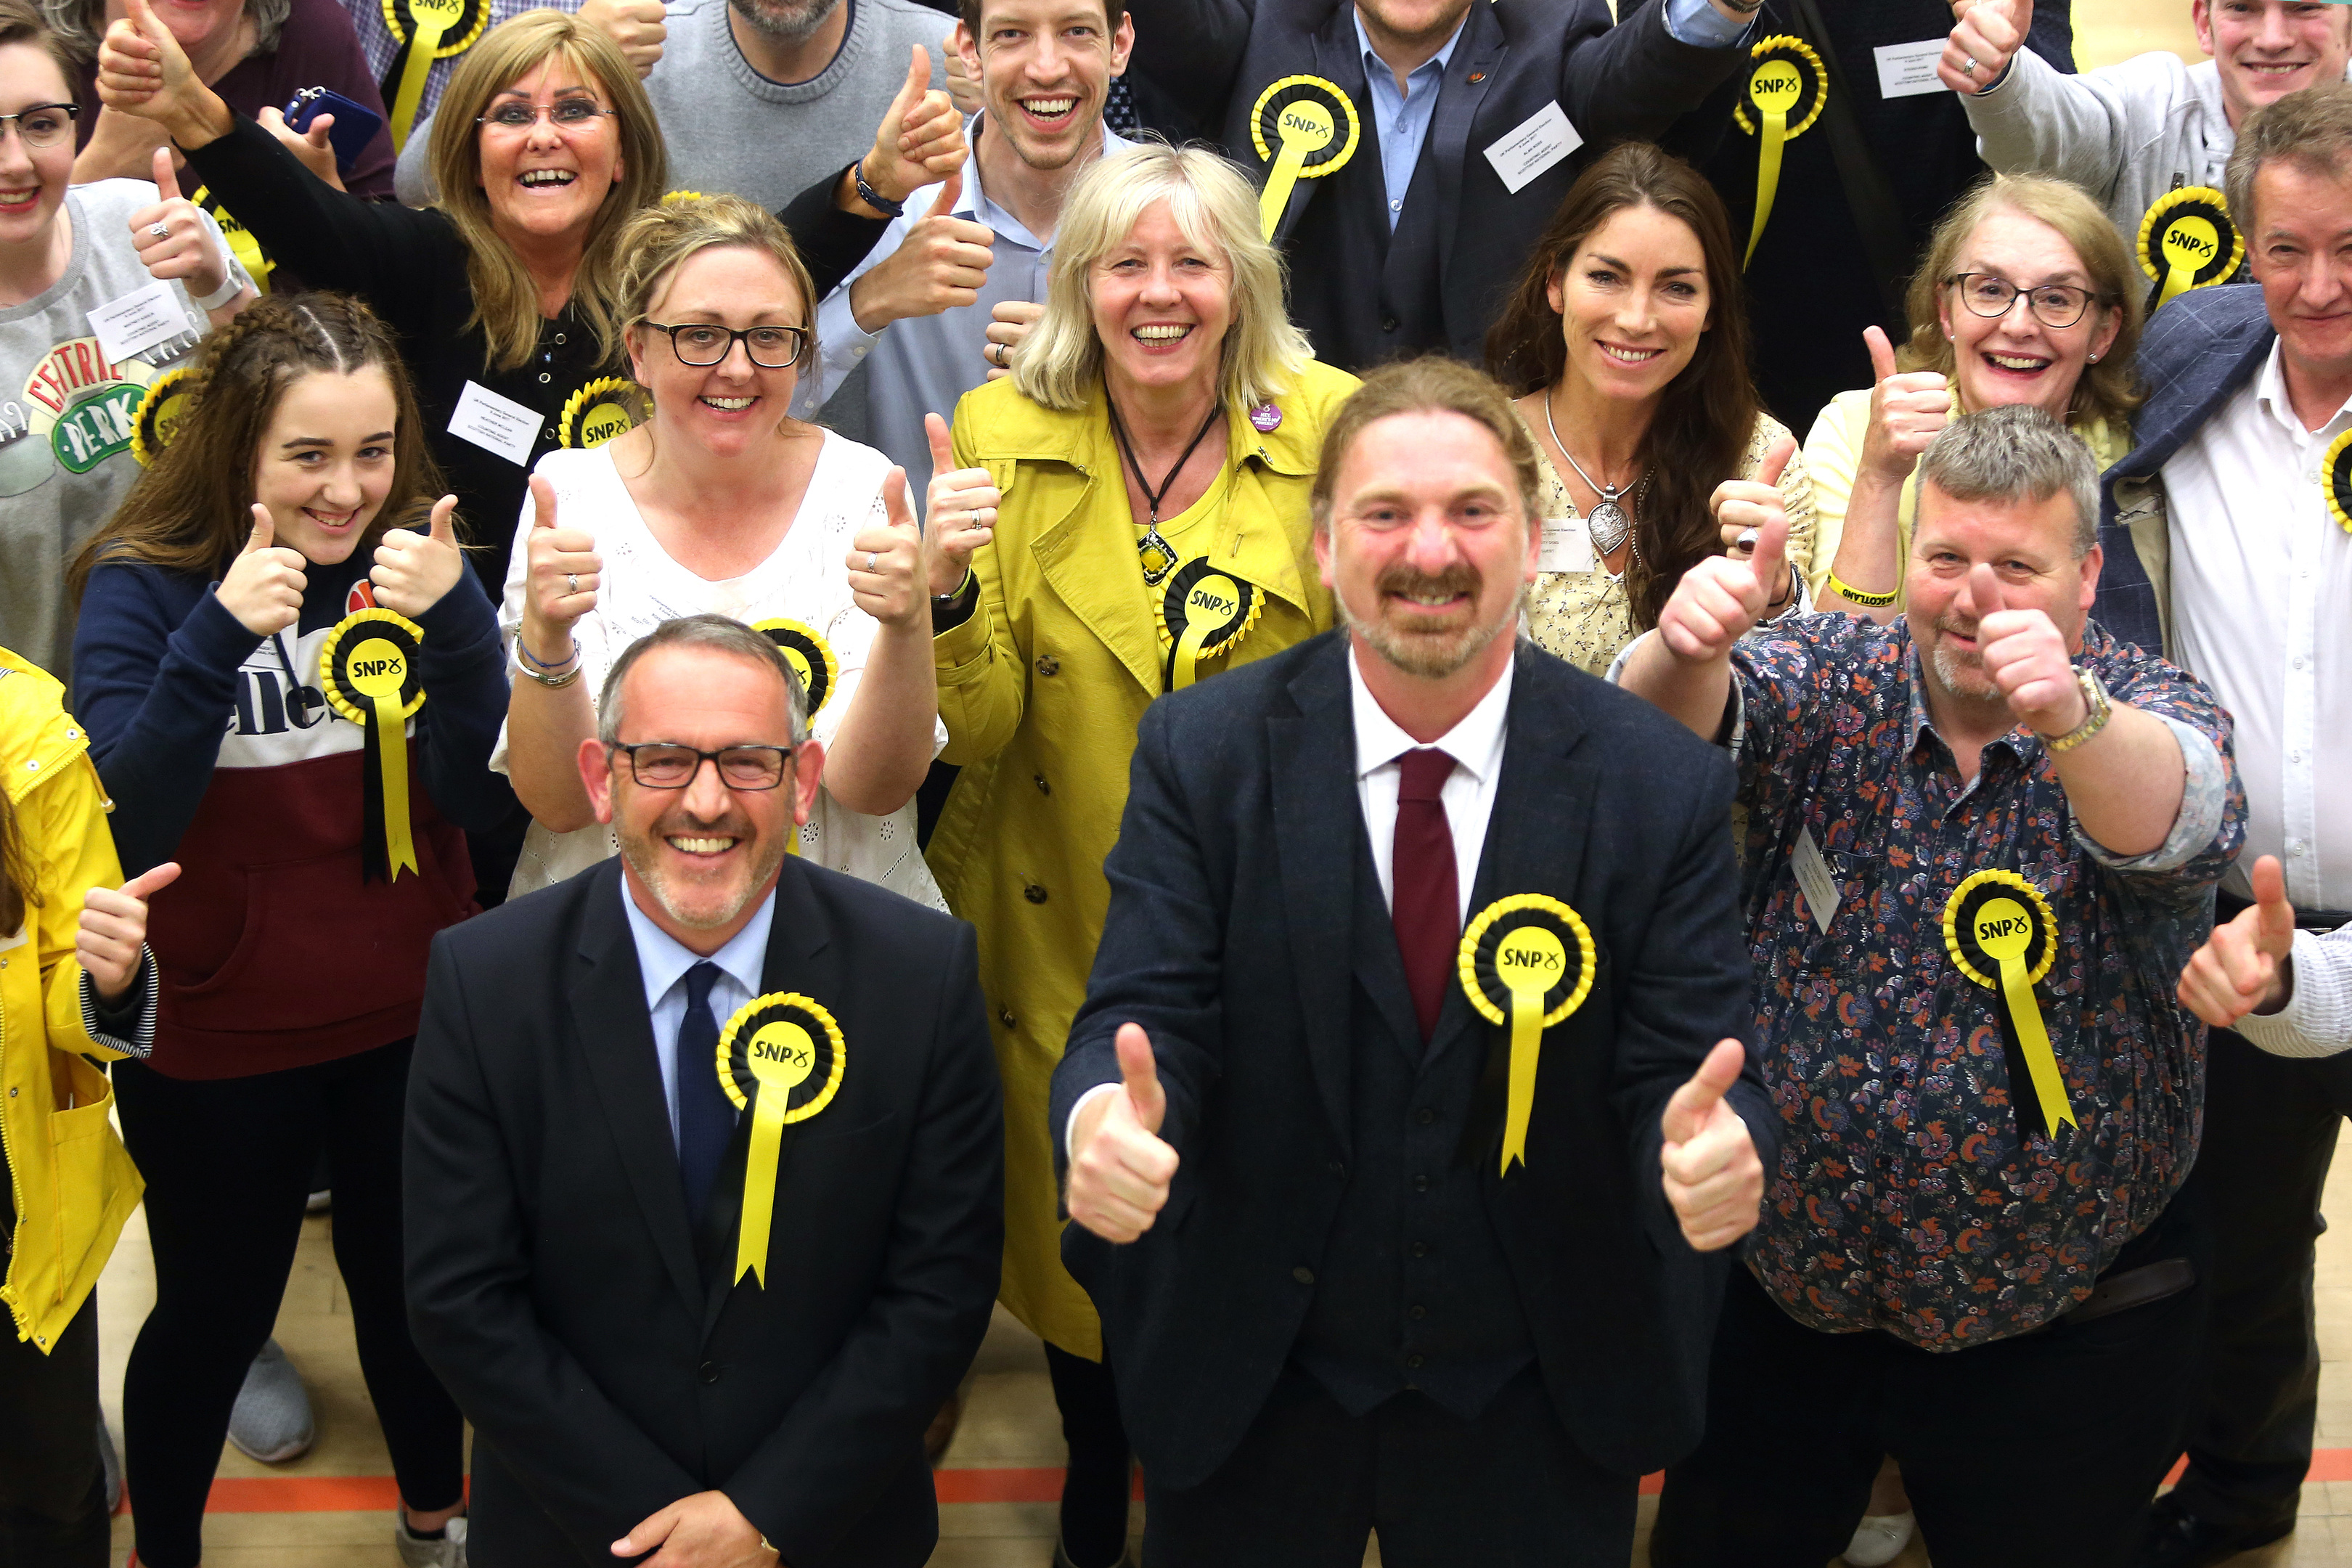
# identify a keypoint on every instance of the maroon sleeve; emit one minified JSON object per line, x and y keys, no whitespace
{"x":318,"y":47}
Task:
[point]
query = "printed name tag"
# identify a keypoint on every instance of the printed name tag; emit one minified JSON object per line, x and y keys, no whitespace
{"x":1567,"y":545}
{"x":1907,"y":71}
{"x":1813,"y":879}
{"x":1533,"y":145}
{"x":138,"y":321}
{"x":496,"y":424}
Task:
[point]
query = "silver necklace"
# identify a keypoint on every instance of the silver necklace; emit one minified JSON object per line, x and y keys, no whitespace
{"x":1609,"y":525}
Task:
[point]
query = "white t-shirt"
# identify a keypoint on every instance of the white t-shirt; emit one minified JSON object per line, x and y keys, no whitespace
{"x":804,"y":578}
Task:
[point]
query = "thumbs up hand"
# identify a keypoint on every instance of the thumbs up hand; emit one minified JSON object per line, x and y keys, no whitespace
{"x":959,"y":512}
{"x":263,"y":586}
{"x":2245,"y":966}
{"x":1714,"y":1179}
{"x":2025,"y":655}
{"x":921,"y":139}
{"x":113,"y":928}
{"x":1120,"y":1173}
{"x":563,"y":568}
{"x":183,"y":250}
{"x":1742,"y":508}
{"x":144,"y":71}
{"x":893,"y":588}
{"x":413,"y":570}
{"x":1721,"y":597}
{"x":1988,"y":34}
{"x":942,"y":264}
{"x":1907,"y":410}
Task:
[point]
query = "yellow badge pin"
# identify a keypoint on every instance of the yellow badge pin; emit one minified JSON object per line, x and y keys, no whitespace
{"x":1303,"y":128}
{"x":601,"y":410}
{"x":2336,"y":470}
{"x":780,"y":1057}
{"x":427,"y":31}
{"x":157,"y":418}
{"x":2002,"y":933}
{"x":1787,"y":86}
{"x":1526,"y":962}
{"x":2186,"y":241}
{"x":1202,"y":612}
{"x":368,"y":670}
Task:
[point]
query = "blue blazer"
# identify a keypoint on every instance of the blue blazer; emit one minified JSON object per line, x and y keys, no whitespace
{"x":1231,"y":940}
{"x":2199,"y":350}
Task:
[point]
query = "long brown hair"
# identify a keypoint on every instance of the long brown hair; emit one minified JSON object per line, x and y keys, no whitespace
{"x":193,"y":512}
{"x":506,"y":302}
{"x":1699,"y":436}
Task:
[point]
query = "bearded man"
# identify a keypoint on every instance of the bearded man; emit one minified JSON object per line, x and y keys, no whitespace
{"x":705,"y":1160}
{"x":1404,"y":1142}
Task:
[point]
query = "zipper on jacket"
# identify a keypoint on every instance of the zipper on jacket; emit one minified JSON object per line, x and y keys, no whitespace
{"x":16,"y":1195}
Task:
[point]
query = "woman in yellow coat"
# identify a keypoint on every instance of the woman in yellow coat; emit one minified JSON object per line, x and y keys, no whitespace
{"x":77,"y":987}
{"x":1124,"y":515}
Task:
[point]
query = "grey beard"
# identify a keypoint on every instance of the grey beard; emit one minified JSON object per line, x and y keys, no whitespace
{"x":786,"y":28}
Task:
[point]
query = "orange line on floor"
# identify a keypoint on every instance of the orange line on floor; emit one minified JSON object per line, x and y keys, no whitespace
{"x":977,"y":1483}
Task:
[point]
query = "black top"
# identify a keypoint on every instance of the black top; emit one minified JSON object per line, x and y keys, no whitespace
{"x":410,"y":267}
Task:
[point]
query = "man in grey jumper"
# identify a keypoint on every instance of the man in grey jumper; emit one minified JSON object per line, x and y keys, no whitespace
{"x":2129,"y":132}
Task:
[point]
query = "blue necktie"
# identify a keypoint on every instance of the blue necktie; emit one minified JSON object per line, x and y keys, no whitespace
{"x":1118,"y":110}
{"x":706,"y":1117}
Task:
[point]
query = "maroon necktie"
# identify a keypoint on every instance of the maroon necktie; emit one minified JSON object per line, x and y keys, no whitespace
{"x":1426,"y":909}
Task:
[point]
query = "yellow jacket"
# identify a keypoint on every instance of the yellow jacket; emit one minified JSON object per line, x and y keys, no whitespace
{"x":1041,"y":689}
{"x":72,"y":1183}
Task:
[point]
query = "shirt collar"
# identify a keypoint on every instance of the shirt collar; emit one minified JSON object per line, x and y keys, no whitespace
{"x":2096,"y":643}
{"x":1475,"y":743}
{"x":973,"y":203}
{"x":2270,"y":396}
{"x":1376,"y":67}
{"x":663,"y":960}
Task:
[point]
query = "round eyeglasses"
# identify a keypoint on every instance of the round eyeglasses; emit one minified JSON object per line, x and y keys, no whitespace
{"x":2055,"y":305}
{"x":44,"y":125}
{"x":665,"y":764}
{"x":702,"y":344}
{"x":564,"y":114}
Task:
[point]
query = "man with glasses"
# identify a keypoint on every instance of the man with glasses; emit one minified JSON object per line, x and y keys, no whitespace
{"x":2227,"y":548}
{"x":679,"y":1326}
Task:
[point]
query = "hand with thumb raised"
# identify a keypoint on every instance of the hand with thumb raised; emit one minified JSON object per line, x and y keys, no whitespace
{"x":1907,"y":410}
{"x":1714,"y":1178}
{"x":113,"y":929}
{"x":887,"y":571}
{"x":960,"y":513}
{"x":144,"y":71}
{"x":2247,"y":963}
{"x":1986,"y":36}
{"x":183,"y":251}
{"x":263,"y":585}
{"x":412,"y":570}
{"x":1120,"y":1171}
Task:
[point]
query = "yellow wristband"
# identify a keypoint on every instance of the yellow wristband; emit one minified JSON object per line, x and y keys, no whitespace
{"x":1855,"y":595}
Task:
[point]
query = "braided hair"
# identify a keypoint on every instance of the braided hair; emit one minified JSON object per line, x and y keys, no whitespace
{"x":193,"y":511}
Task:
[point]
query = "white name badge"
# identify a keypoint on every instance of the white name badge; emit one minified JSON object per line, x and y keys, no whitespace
{"x":1813,"y":879}
{"x":1567,"y":545}
{"x":1533,"y":145}
{"x":496,"y":424}
{"x":1908,"y":70}
{"x":138,"y":320}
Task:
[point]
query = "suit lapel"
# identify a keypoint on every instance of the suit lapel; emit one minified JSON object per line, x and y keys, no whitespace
{"x":1472,"y":70}
{"x":608,"y":1014}
{"x":796,"y":961}
{"x":1312,"y":755}
{"x":1339,"y":60}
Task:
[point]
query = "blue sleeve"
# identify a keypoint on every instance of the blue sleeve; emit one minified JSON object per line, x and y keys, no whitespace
{"x":2053,"y":35}
{"x":156,"y":685}
{"x":463,"y":664}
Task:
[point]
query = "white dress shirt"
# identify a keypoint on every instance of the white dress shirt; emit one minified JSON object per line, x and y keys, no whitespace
{"x":663,"y":960}
{"x":2317,"y":1019}
{"x":2261,"y":579}
{"x":1476,"y":745}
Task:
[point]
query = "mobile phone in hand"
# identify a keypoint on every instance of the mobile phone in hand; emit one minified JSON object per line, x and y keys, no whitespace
{"x":356,"y":124}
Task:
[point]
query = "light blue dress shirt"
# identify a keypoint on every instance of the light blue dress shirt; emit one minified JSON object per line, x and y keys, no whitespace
{"x":663,"y":960}
{"x":1400,"y":119}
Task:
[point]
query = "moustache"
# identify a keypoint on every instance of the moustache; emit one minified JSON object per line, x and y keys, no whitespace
{"x":1412,"y":582}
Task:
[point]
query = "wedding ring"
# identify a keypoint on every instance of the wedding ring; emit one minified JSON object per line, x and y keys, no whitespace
{"x":870,"y":559}
{"x":571,"y":583}
{"x":1746,"y":540}
{"x":161,"y":231}
{"x":998,"y":350}
{"x":1969,"y":66}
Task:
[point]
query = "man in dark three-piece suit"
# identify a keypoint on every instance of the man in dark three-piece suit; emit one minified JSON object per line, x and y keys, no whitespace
{"x":1394,"y":1074}
{"x":680,"y":1330}
{"x":1411,"y":243}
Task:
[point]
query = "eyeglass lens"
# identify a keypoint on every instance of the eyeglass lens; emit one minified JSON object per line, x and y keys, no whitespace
{"x":43,"y":125}
{"x":739,"y":767}
{"x":771,"y":348}
{"x":570,"y":112}
{"x":2052,"y":304}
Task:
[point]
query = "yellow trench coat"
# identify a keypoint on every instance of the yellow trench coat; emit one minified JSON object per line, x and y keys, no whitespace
{"x":1041,"y":689}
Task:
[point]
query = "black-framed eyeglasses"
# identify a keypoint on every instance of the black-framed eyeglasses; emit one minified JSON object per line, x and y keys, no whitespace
{"x":2056,"y":305}
{"x":665,"y":764}
{"x":44,"y":125}
{"x":703,"y":344}
{"x":564,"y":114}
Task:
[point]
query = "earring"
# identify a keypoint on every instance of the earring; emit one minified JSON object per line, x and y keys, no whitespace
{"x":2094,"y":359}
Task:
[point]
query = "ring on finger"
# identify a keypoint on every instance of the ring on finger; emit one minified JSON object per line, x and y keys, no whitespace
{"x":870,"y":560}
{"x":571,"y":583}
{"x":161,"y":231}
{"x":1969,"y":66}
{"x":1746,"y":540}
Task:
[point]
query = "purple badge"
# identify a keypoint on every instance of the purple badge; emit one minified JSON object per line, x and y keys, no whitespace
{"x":1267,"y":417}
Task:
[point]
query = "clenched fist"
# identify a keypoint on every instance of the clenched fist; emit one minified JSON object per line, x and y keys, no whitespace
{"x":1120,"y":1171}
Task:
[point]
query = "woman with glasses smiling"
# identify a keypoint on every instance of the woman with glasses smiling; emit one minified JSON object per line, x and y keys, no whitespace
{"x":720,"y":502}
{"x":2026,"y":296}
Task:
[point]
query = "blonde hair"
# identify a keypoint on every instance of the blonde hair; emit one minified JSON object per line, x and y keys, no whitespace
{"x":2107,"y":390}
{"x":658,"y":239}
{"x":506,"y":302}
{"x":1215,"y":207}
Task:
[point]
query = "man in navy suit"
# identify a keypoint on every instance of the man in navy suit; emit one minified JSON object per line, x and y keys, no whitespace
{"x":1398,"y":1150}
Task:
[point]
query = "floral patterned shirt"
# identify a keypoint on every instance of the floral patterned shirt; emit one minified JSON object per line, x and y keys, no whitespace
{"x":1905,"y":1198}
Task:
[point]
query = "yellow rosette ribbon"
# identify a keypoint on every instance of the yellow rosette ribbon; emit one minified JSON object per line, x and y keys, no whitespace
{"x":605,"y":408}
{"x":812,"y":658}
{"x":157,"y":418}
{"x":780,"y":1057}
{"x":2002,"y":934}
{"x":1305,"y":128}
{"x":2337,"y":467}
{"x":1526,"y":962}
{"x":1787,"y":86}
{"x":368,"y":669}
{"x":428,"y":30}
{"x":2186,"y":241}
{"x":241,"y":242}
{"x":1202,"y":612}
